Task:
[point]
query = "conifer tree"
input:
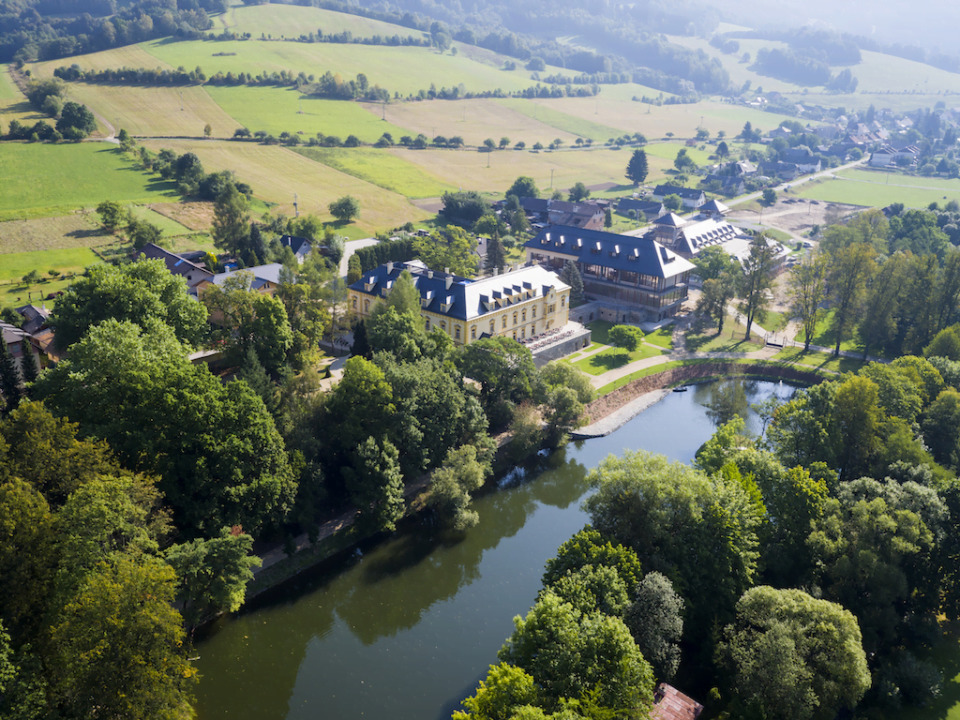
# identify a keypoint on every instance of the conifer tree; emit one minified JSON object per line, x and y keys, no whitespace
{"x":9,"y":378}
{"x":571,"y":276}
{"x":496,"y":258}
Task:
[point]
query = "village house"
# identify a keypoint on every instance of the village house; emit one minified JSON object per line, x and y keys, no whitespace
{"x":192,"y":272}
{"x":300,"y":247}
{"x":264,"y":278}
{"x":637,"y":273}
{"x":887,"y":155}
{"x":641,"y":208}
{"x":691,"y":198}
{"x":588,"y":215}
{"x":527,"y":304}
{"x":803,"y":158}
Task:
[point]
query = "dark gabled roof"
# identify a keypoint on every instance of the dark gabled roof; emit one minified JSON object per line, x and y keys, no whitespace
{"x":681,"y":192}
{"x":462,"y":298}
{"x":670,"y":220}
{"x":645,"y":206}
{"x":621,"y":252}
{"x":34,"y":318}
{"x":535,"y":205}
{"x":176,"y":264}
{"x":300,"y":246}
{"x":798,"y":155}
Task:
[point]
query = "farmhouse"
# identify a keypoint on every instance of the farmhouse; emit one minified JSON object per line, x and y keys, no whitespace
{"x":649,"y":209}
{"x":529,"y":303}
{"x":803,"y":158}
{"x":691,"y":198}
{"x":299,"y":246}
{"x":634,"y":272}
{"x":587,"y":215}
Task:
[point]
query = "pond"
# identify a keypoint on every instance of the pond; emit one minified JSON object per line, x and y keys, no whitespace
{"x":406,"y":628}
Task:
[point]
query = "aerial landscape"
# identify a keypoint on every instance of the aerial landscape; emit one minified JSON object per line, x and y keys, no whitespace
{"x":479,"y":360}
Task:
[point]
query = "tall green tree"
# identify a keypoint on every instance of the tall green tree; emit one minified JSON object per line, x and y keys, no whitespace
{"x":118,"y":645}
{"x":578,"y":192}
{"x":570,"y":655}
{"x":344,"y":209}
{"x":570,"y":274}
{"x":111,"y":214}
{"x":637,"y":168}
{"x":756,"y":280}
{"x":849,"y":269}
{"x":716,"y":295}
{"x":462,"y":473}
{"x":231,"y":221}
{"x":375,"y":484}
{"x":655,"y":619}
{"x":143,"y":292}
{"x":212,"y":574}
{"x":807,"y":293}
{"x":524,"y":186}
{"x":496,"y":256}
{"x":10,"y":383}
{"x":451,"y":247}
{"x":215,"y":447}
{"x":794,"y":657}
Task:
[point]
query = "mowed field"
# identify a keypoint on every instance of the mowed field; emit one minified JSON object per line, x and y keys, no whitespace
{"x":14,"y":266}
{"x":277,"y":110}
{"x":468,"y":168}
{"x":277,"y":174}
{"x":881,"y":189}
{"x":295,"y":20}
{"x":78,"y":229}
{"x":13,"y":105}
{"x":381,"y":168}
{"x":43,"y":180}
{"x":397,"y":69}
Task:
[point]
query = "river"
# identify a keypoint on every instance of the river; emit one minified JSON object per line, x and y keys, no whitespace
{"x":406,"y":628}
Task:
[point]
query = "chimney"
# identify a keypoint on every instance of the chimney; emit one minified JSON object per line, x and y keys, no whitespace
{"x":449,"y":281}
{"x":496,"y":270}
{"x":390,"y":267}
{"x":429,"y":274}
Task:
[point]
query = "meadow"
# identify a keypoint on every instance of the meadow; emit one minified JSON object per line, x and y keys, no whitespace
{"x":473,"y":120}
{"x":276,"y":110}
{"x":554,"y":116}
{"x":380,"y":168}
{"x":40,"y":179}
{"x":879,"y":193}
{"x":13,"y":266}
{"x":277,"y":175}
{"x":13,"y":105}
{"x":294,"y":20}
{"x":398,"y":69}
{"x":78,"y":229}
{"x":494,"y":172}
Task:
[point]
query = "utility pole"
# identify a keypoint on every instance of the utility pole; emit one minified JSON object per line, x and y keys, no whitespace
{"x":296,"y":206}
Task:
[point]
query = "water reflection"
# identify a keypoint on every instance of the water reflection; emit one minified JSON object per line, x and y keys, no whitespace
{"x":408,"y":627}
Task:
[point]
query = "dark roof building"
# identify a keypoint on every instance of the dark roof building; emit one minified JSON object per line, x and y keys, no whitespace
{"x":34,"y":318}
{"x":588,"y":215}
{"x":300,"y":246}
{"x":636,"y":272}
{"x":193,"y":273}
{"x":633,"y":207}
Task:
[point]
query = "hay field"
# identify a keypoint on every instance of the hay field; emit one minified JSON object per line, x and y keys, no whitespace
{"x":14,"y":266}
{"x":41,"y":180}
{"x":79,"y":229}
{"x":381,"y":168}
{"x":131,"y":56}
{"x":886,"y":73}
{"x":277,"y":174}
{"x":13,"y":104}
{"x":398,"y":69}
{"x":276,"y":110}
{"x":294,"y":20}
{"x":655,"y":121}
{"x":468,"y":169}
{"x":155,"y":111}
{"x":556,"y":118}
{"x":473,"y":120}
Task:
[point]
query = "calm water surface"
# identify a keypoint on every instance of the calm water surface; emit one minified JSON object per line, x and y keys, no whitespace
{"x":406,"y":629}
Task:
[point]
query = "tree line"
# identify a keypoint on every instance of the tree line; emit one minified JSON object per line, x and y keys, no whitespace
{"x":344,"y":37}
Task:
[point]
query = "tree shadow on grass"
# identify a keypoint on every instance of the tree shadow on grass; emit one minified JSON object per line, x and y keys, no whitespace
{"x":610,"y":361}
{"x":88,"y":233}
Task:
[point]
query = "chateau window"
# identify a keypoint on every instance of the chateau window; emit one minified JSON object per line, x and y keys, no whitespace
{"x":533,"y":311}
{"x":428,"y":324}
{"x":523,"y":316}
{"x":493,"y":326}
{"x":563,"y":302}
{"x":503,"y":323}
{"x":443,"y":325}
{"x":366,"y":306}
{"x":473,"y":332}
{"x":514,"y":318}
{"x":354,"y":303}
{"x":457,"y":332}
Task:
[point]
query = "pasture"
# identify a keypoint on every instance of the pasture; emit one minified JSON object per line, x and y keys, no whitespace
{"x":888,"y":74}
{"x":131,"y":56}
{"x":41,"y":179}
{"x":473,"y":120}
{"x":277,"y":175}
{"x":79,"y":229}
{"x":66,"y":261}
{"x":469,"y":169}
{"x":168,"y":226}
{"x":398,"y":69}
{"x":879,"y":193}
{"x":569,"y":124}
{"x":13,"y":105}
{"x":275,"y":110}
{"x":293,"y":20}
{"x":156,"y":111}
{"x":380,"y":168}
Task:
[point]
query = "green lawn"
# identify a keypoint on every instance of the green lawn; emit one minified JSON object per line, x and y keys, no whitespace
{"x":381,"y":168}
{"x":774,"y":321}
{"x":825,"y":337}
{"x":902,"y":179}
{"x":669,"y":150}
{"x":599,"y":330}
{"x":662,"y":337}
{"x":818,"y":360}
{"x":730,"y":340}
{"x":14,"y":266}
{"x":878,"y":193}
{"x":613,"y":358}
{"x":293,"y":20}
{"x":40,"y":179}
{"x":627,"y":379}
{"x":168,"y":226}
{"x":276,"y":110}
